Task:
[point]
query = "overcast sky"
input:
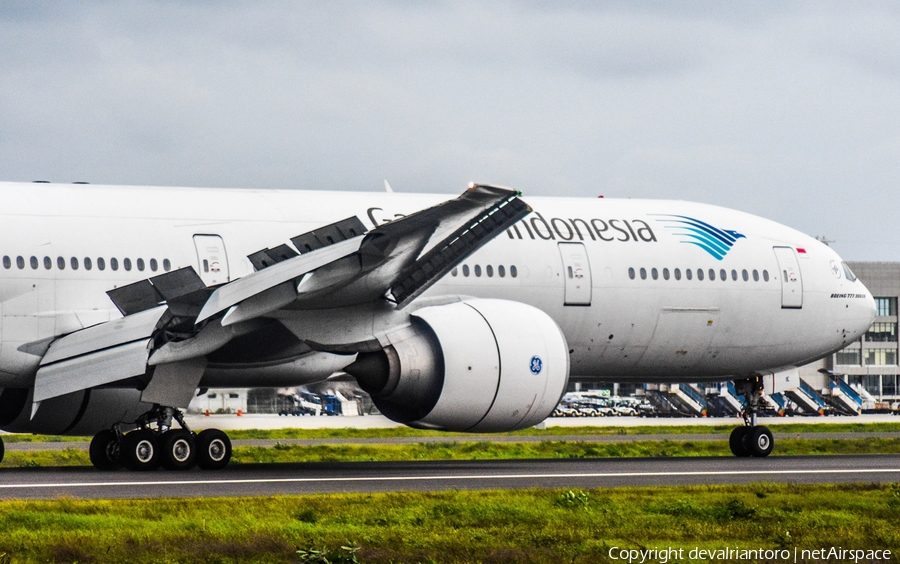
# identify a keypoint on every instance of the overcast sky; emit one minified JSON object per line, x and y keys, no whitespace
{"x":787,"y":110}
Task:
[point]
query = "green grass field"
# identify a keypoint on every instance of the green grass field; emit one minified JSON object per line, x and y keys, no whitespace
{"x":844,"y":425}
{"x":461,"y":526}
{"x":483,"y":450}
{"x":469,"y":447}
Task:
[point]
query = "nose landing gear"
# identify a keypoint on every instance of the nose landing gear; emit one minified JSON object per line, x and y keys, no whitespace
{"x":751,"y":439}
{"x":148,"y":448}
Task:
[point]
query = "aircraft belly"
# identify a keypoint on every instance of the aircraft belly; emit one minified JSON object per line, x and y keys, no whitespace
{"x":306,"y":369}
{"x":681,"y":339}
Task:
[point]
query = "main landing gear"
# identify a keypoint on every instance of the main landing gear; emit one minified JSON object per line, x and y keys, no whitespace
{"x":146,"y":448}
{"x":751,"y":439}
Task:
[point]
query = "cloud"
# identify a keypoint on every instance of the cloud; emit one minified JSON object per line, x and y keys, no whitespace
{"x":781,"y":109}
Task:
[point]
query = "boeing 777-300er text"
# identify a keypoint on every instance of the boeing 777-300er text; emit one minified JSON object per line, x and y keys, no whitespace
{"x":119,"y":303}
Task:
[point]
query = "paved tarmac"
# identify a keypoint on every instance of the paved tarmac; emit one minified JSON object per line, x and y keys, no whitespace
{"x":261,"y":421}
{"x":366,"y":477}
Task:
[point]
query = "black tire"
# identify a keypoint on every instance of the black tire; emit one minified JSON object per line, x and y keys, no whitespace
{"x":140,"y":450}
{"x":177,"y":449}
{"x":213,"y":449}
{"x":105,"y":451}
{"x":760,"y":441}
{"x":737,"y":442}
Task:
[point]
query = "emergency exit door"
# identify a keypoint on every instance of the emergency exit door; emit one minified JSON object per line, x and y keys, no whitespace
{"x":791,"y":282}
{"x":211,"y":258}
{"x":577,"y":273}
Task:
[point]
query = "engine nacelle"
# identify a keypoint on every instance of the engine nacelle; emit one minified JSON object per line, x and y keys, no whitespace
{"x":479,"y":366}
{"x":79,"y":413}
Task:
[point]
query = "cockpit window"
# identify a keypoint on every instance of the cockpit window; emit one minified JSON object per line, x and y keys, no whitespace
{"x":848,"y":273}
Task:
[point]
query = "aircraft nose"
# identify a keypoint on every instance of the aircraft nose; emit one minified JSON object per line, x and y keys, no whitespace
{"x":863,"y":312}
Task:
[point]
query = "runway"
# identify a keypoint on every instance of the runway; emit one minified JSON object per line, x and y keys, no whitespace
{"x":368,"y":477}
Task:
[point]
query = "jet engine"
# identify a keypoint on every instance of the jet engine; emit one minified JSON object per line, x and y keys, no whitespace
{"x":479,"y":365}
{"x":79,"y":413}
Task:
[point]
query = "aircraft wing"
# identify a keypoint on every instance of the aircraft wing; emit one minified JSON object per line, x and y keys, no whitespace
{"x":174,"y":318}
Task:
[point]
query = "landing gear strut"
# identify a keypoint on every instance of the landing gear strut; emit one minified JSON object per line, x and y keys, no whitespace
{"x":751,"y":439}
{"x":148,"y":448}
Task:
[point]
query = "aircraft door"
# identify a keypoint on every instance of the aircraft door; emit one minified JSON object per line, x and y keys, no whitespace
{"x":791,"y":282}
{"x":212,"y":260}
{"x":577,"y":273}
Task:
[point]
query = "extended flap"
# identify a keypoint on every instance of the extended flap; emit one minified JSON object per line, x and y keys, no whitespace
{"x":239,"y":290}
{"x":119,"y":331}
{"x":91,"y":370}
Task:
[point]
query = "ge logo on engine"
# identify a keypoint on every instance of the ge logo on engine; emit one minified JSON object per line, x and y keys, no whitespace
{"x":536,"y":365}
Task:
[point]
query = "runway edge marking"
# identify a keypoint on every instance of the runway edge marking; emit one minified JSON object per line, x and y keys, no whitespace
{"x":439,"y":478}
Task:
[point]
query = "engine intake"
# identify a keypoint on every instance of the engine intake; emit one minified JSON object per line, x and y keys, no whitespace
{"x":479,"y":366}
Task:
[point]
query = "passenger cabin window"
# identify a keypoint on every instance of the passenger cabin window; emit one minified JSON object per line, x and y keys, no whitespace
{"x":60,"y":263}
{"x":126,"y":264}
{"x":478,"y":270}
{"x":140,"y":264}
{"x":465,"y":270}
{"x":513,"y":271}
{"x":101,"y":264}
{"x":114,"y":263}
{"x":7,"y":263}
{"x":501,"y":270}
{"x":87,"y":263}
{"x":154,"y":266}
{"x":489,"y":270}
{"x":74,"y":263}
{"x":167,"y":266}
{"x":48,"y":264}
{"x":34,"y":263}
{"x":631,"y":273}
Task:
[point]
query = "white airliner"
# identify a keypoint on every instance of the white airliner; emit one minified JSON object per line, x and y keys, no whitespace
{"x":471,"y":314}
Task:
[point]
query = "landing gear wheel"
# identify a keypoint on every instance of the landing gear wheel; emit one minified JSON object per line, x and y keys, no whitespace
{"x":738,"y":442}
{"x":178,"y":449}
{"x":213,"y":449}
{"x":104,"y":451}
{"x":140,"y":450}
{"x":759,"y":441}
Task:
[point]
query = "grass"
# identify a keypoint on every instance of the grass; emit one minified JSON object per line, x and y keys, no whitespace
{"x":459,"y":526}
{"x":484,"y":450}
{"x":470,"y":447}
{"x":819,"y":426}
